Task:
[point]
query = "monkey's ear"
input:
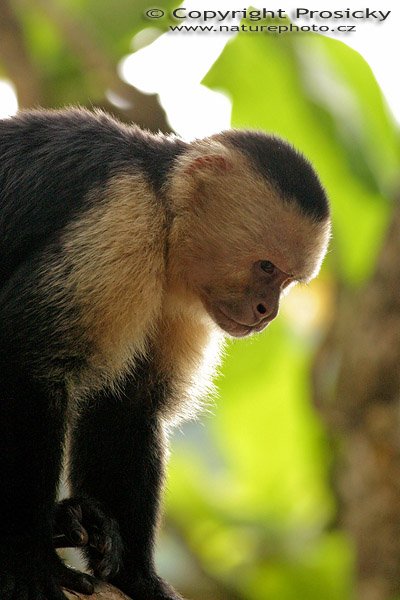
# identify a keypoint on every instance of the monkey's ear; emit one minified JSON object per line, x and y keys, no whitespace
{"x":208,"y":163}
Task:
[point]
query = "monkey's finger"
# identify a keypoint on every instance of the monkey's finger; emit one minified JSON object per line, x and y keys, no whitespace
{"x":75,"y":580}
{"x":100,"y":541}
{"x":76,"y":536}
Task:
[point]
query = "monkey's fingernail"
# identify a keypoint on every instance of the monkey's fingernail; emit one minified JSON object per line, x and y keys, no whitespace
{"x":107,"y":545}
{"x":105,"y":568}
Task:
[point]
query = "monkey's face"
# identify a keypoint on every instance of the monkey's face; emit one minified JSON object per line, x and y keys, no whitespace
{"x":238,"y":244}
{"x":240,"y":277}
{"x":240,"y":265}
{"x":246,"y":306}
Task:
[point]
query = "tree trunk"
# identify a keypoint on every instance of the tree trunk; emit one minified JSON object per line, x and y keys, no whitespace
{"x":357,"y":390}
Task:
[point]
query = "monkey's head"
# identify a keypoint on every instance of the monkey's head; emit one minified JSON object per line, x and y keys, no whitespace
{"x":251,"y":219}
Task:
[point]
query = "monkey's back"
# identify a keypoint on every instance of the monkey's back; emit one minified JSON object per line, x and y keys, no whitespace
{"x":49,"y":161}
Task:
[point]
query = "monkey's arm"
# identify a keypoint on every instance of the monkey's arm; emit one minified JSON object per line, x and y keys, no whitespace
{"x":32,"y":419}
{"x":124,"y":471}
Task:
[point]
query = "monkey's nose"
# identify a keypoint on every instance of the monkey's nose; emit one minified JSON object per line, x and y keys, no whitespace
{"x":261,"y":310}
{"x":263,"y":313}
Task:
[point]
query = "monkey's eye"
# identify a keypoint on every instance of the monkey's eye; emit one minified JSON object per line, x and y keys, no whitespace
{"x":267,"y":266}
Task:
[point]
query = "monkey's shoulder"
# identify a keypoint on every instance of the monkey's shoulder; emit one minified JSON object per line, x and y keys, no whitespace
{"x":79,"y":148}
{"x":55,"y":165}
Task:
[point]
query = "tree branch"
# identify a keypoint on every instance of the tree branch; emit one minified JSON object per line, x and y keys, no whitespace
{"x":104,"y":592}
{"x":15,"y":58}
{"x":144,"y":109}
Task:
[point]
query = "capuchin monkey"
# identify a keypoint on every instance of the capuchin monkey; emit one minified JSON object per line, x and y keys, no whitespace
{"x":125,"y":258}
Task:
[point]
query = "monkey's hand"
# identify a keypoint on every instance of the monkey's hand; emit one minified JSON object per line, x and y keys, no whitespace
{"x":81,"y":522}
{"x":29,"y":571}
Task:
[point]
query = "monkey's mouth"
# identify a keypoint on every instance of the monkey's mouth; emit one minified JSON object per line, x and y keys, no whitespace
{"x":232,"y":327}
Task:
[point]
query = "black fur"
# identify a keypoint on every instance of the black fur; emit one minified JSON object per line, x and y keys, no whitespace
{"x":31,"y":434}
{"x":279,"y":162}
